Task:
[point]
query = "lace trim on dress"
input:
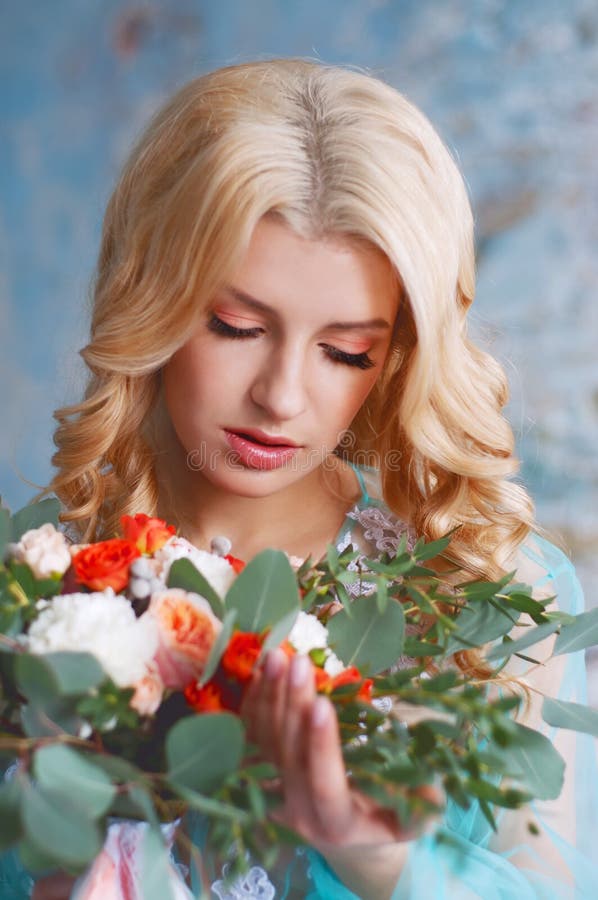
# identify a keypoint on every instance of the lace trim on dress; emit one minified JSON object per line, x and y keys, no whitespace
{"x":253,"y":885}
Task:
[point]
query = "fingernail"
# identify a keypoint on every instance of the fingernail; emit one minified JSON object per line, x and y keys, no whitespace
{"x":320,"y":712}
{"x":273,"y":665}
{"x":300,"y":666}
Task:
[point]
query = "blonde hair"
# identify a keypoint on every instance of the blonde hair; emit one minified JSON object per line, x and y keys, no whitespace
{"x":330,"y":151}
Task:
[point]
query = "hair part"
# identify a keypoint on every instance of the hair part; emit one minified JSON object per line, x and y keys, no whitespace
{"x":330,"y":152}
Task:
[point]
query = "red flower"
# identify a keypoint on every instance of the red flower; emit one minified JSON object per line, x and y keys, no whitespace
{"x":241,"y":655}
{"x":352,"y":675}
{"x":237,"y":564}
{"x":208,"y":698}
{"x":105,"y":564}
{"x":146,"y":532}
{"x":323,"y":681}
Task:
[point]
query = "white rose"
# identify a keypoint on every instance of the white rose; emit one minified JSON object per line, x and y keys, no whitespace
{"x":103,"y":624}
{"x":333,"y":665}
{"x":308,"y":633}
{"x":215,"y":569}
{"x":45,"y":550}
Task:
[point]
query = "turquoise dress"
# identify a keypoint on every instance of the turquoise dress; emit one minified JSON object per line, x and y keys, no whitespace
{"x":459,"y":858}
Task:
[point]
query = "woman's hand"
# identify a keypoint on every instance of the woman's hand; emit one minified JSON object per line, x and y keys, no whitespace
{"x":298,"y":731}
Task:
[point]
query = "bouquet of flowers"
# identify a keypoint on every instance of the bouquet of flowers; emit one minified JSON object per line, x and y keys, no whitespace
{"x":123,"y":666}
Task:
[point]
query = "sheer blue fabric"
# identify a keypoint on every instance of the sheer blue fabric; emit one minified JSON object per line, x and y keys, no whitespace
{"x":460,"y":857}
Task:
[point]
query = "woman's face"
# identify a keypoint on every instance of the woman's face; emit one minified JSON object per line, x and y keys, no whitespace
{"x":291,"y":347}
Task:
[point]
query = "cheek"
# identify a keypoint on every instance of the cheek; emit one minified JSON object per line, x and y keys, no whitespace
{"x":343,"y":401}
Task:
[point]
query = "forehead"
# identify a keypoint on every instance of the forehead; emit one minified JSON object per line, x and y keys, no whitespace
{"x":337,"y":277}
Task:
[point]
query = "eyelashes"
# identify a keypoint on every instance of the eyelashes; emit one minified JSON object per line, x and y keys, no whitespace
{"x":358,"y":360}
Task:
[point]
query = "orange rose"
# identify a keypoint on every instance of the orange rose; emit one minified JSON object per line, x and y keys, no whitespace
{"x":105,"y":564}
{"x":323,"y":680}
{"x":146,"y":532}
{"x":241,"y":655}
{"x":237,"y":564}
{"x":187,"y":631}
{"x":208,"y":698}
{"x":352,"y":675}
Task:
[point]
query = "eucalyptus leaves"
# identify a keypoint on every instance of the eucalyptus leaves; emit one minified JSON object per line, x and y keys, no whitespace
{"x":85,"y":755}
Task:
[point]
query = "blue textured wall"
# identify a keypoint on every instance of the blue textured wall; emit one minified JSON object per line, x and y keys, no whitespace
{"x":510,"y":85}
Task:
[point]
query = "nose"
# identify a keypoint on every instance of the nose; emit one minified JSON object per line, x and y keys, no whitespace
{"x":279,"y":387}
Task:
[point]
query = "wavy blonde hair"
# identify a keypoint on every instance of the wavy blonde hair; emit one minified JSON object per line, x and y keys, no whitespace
{"x":331,"y":151}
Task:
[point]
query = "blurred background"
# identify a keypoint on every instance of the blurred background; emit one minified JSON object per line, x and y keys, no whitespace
{"x":512,"y":88}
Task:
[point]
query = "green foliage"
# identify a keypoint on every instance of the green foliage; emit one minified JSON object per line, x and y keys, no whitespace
{"x":574,"y":716}
{"x":34,"y":516}
{"x":580,"y":634}
{"x":60,"y":769}
{"x":202,"y":750}
{"x":11,"y":829}
{"x":370,"y":641}
{"x":54,"y":810}
{"x":62,"y":674}
{"x":58,"y":826}
{"x":264,"y":592}
{"x":155,"y":865}
{"x":220,"y":644}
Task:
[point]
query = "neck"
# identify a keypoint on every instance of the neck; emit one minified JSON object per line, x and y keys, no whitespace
{"x":301,"y":518}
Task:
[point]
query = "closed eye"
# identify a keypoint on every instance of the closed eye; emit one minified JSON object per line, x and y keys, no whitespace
{"x":359,"y":360}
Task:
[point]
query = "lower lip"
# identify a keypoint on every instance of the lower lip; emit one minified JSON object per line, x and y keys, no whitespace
{"x":259,"y":456}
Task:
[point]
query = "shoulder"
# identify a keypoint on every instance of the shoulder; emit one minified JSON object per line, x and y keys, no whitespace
{"x":542,"y":565}
{"x":370,"y":524}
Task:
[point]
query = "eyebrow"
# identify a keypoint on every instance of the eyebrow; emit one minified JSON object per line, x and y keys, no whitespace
{"x":248,"y":300}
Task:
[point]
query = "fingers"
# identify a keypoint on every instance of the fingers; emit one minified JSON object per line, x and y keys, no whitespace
{"x":300,"y":692}
{"x":263,"y":705}
{"x":328,"y":784}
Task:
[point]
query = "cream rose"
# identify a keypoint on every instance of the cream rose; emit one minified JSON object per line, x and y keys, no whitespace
{"x":45,"y":550}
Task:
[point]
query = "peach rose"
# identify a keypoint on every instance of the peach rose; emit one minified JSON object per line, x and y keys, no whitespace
{"x":148,"y":693}
{"x":187,"y":629}
{"x":146,"y":532}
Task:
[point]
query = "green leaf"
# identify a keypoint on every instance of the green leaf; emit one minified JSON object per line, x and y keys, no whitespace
{"x":532,"y":758}
{"x":64,"y":770}
{"x":155,"y":867}
{"x":58,"y":828}
{"x":381,"y":594}
{"x":202,"y":750}
{"x":279,"y":631}
{"x":11,"y":829}
{"x":5,"y":530}
{"x":574,"y":716}
{"x":33,"y":859}
{"x":415,"y":648}
{"x":44,"y":676}
{"x":264,"y":592}
{"x":48,"y":719}
{"x":34,"y":516}
{"x":532,"y":636}
{"x":219,"y":645}
{"x":210,"y":807}
{"x":183,"y":574}
{"x":423,"y":551}
{"x":370,"y":640}
{"x":583,"y":633}
{"x":480,"y":623}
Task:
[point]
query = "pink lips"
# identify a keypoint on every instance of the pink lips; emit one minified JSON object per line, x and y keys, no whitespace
{"x":259,"y":456}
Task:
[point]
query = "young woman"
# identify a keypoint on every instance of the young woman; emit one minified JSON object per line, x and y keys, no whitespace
{"x":279,"y":353}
